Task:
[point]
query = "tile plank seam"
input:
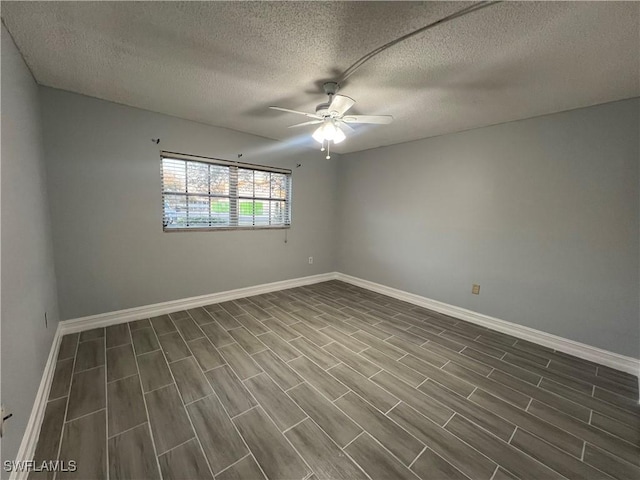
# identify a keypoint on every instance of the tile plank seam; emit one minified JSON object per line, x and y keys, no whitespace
{"x":144,"y":399}
{"x":64,"y":420}
{"x":233,"y":423}
{"x":180,"y":395}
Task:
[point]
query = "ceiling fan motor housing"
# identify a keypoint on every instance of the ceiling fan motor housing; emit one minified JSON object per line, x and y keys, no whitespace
{"x":323,"y":109}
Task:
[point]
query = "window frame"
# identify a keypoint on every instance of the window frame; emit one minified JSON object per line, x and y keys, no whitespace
{"x":233,"y":196}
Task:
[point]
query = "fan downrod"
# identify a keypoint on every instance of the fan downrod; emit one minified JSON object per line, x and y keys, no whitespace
{"x":330,"y":88}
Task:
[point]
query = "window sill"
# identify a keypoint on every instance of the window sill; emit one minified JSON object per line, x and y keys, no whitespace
{"x":217,"y":229}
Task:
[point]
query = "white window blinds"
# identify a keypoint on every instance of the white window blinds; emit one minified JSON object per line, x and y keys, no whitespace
{"x":207,"y":194}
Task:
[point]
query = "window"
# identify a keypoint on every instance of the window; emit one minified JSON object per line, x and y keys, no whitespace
{"x":208,"y":194}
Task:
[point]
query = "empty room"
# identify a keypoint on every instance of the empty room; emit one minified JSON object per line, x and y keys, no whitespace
{"x":320,"y":240}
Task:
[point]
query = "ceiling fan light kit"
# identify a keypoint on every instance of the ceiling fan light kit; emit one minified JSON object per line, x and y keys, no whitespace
{"x":329,"y":131}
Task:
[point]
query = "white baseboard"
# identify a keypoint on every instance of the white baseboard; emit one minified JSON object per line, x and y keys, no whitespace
{"x":30,"y":438}
{"x":32,"y":432}
{"x":147,"y":311}
{"x":587,"y":352}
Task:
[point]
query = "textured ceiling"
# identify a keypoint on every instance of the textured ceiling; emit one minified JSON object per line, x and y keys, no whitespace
{"x":224,"y":63}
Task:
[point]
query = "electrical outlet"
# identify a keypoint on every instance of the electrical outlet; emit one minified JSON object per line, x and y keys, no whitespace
{"x":475,"y":289}
{"x":310,"y":260}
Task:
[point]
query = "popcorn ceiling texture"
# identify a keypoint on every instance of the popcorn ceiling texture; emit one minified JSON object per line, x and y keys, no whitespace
{"x":224,"y":63}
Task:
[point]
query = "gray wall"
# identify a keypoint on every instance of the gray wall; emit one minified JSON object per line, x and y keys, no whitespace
{"x":105,"y":195}
{"x":28,"y":278}
{"x":542,"y":213}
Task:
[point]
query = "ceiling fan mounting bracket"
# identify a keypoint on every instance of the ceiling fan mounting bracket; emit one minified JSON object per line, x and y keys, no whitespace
{"x":330,"y":88}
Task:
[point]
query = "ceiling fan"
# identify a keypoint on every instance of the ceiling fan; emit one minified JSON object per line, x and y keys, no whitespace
{"x":331,"y":115}
{"x":332,"y":119}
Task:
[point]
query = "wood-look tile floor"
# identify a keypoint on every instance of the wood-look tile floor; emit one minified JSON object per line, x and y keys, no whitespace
{"x":332,"y":381}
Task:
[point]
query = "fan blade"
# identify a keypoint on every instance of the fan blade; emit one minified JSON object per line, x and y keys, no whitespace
{"x":310,"y":115}
{"x":346,"y":127}
{"x":382,"y":119}
{"x":340,"y":104}
{"x":312,"y":122}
